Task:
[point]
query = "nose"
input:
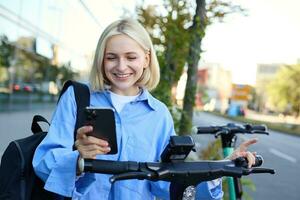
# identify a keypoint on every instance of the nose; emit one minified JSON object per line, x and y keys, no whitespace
{"x":122,"y":64}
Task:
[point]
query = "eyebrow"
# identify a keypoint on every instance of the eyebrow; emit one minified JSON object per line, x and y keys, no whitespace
{"x":112,"y":53}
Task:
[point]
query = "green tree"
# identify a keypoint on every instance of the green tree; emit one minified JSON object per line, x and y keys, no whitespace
{"x":65,"y":72}
{"x":284,"y":90}
{"x":205,"y":14}
{"x":27,"y":63}
{"x":197,"y":31}
{"x":168,"y":31}
{"x":6,"y":51}
{"x":6,"y":57}
{"x":177,"y":33}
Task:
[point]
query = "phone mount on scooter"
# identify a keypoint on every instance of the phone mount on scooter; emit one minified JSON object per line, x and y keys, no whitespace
{"x":178,"y":149}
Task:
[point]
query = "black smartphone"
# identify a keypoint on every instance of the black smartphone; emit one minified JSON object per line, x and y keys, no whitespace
{"x":103,"y":122}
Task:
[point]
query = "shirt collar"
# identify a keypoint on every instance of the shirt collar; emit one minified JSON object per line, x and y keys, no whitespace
{"x":144,"y":96}
{"x":147,"y":97}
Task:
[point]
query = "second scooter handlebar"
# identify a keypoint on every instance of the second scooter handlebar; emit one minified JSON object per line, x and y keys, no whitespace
{"x":231,"y":128}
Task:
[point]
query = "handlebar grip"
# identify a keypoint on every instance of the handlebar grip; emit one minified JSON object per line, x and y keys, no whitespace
{"x":205,"y":130}
{"x":242,"y":161}
{"x":258,"y":161}
{"x":259,"y":128}
{"x":109,"y":167}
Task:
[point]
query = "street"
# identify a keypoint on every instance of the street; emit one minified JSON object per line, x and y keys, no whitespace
{"x":280,"y":151}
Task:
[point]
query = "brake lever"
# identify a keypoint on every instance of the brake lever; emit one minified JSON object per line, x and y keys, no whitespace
{"x":131,"y":175}
{"x":258,"y":170}
{"x":260,"y":132}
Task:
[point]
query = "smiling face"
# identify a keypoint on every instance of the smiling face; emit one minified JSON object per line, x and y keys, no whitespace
{"x":124,"y":62}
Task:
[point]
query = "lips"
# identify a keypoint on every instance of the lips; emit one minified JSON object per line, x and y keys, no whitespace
{"x":122,"y":75}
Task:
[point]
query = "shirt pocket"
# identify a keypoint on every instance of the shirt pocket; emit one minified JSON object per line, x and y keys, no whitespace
{"x":140,"y":149}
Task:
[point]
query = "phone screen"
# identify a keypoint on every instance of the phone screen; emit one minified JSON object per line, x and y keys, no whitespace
{"x":103,"y":122}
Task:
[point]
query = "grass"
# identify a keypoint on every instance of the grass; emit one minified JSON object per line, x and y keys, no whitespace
{"x":291,"y":129}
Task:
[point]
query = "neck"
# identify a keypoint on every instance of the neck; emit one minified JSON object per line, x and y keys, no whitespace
{"x":131,"y":92}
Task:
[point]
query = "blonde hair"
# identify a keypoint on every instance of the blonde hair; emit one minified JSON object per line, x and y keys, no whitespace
{"x":137,"y":32}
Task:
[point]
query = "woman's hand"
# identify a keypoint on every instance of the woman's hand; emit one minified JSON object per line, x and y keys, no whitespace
{"x":89,"y":146}
{"x":242,"y":151}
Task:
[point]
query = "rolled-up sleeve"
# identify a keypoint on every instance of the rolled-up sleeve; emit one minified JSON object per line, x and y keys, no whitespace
{"x":54,"y":160}
{"x":210,"y":190}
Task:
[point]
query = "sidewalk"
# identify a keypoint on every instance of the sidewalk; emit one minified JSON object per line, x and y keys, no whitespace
{"x":272,"y":118}
{"x":6,"y":107}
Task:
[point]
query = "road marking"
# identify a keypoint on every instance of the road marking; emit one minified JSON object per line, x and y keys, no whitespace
{"x":282,"y":155}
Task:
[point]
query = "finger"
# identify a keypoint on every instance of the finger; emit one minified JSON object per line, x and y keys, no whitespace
{"x":244,"y":146}
{"x":93,"y":140}
{"x":250,"y":158}
{"x":90,"y":147}
{"x":94,"y":147}
{"x":235,"y":154}
{"x":100,"y":142}
{"x":92,"y":151}
{"x":82,"y":131}
{"x":76,"y":144}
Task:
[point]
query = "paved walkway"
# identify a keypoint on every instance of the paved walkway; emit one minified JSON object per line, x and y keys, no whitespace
{"x":272,"y":118}
{"x":6,"y":107}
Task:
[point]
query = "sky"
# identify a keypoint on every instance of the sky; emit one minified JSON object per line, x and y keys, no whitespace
{"x":270,"y":33}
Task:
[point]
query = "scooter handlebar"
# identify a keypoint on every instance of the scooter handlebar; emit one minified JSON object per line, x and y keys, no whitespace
{"x":231,"y":128}
{"x":182,"y":172}
{"x":109,"y":167}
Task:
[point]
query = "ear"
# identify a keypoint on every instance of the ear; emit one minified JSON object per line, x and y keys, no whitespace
{"x":147,"y":59}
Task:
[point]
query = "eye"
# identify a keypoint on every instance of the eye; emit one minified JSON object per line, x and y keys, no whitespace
{"x":131,"y":57}
{"x":110,"y":58}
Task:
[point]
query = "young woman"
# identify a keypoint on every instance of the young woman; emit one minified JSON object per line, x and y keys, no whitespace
{"x":125,"y":69}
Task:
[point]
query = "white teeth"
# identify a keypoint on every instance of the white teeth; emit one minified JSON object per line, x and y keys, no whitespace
{"x":122,"y":75}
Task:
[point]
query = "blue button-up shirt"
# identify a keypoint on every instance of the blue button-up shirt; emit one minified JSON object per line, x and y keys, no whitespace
{"x":143,"y":128}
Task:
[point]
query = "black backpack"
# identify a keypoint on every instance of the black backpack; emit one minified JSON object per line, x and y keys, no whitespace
{"x":17,"y":178}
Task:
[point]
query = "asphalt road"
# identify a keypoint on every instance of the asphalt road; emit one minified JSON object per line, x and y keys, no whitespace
{"x":280,"y":151}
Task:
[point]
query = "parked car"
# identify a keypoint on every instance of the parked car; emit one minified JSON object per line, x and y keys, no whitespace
{"x":25,"y":87}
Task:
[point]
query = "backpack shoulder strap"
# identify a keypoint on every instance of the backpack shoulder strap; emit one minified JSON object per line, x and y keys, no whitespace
{"x":82,"y":98}
{"x":81,"y":91}
{"x":35,"y":127}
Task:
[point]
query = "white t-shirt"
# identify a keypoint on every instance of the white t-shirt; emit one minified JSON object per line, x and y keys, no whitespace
{"x":119,"y":101}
